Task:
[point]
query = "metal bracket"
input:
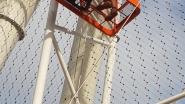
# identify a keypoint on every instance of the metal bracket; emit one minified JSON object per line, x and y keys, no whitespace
{"x":99,"y":41}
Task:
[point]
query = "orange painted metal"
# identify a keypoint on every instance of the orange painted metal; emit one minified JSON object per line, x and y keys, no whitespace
{"x":116,"y":26}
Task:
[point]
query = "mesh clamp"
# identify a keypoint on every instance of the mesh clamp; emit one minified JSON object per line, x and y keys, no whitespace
{"x":15,"y":24}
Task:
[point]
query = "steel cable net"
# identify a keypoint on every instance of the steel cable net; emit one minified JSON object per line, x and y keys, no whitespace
{"x":149,"y":63}
{"x":14,"y":15}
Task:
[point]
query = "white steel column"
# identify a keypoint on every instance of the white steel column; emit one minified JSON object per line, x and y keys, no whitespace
{"x":109,"y":73}
{"x":81,"y":63}
{"x":44,"y":62}
{"x":173,"y":98}
{"x":84,"y":58}
{"x":43,"y":67}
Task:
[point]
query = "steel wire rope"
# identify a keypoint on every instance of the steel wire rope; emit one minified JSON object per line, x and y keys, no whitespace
{"x":162,"y":16}
{"x":156,"y":43}
{"x":160,"y":73}
{"x":170,"y":82}
{"x":128,"y":87}
{"x":156,"y":50}
{"x":156,"y":37}
{"x":132,"y":90}
{"x":168,"y":10}
{"x":95,"y":63}
{"x":79,"y":45}
{"x":146,"y":48}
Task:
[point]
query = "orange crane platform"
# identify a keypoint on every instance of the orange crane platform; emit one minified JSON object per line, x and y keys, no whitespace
{"x":85,"y":9}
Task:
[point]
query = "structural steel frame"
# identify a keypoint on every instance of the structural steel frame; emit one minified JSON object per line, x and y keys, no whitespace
{"x":45,"y":57}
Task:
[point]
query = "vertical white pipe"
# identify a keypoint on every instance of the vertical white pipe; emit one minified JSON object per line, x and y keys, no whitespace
{"x":81,"y":63}
{"x":109,"y":73}
{"x":43,"y":67}
{"x":173,"y":99}
{"x":47,"y":45}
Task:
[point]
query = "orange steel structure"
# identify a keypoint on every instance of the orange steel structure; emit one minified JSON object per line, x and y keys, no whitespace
{"x":115,"y":24}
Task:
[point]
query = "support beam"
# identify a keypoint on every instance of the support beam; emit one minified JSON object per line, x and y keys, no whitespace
{"x":109,"y":73}
{"x":44,"y":62}
{"x":43,"y":67}
{"x":89,"y":38}
{"x":173,"y":98}
{"x":64,"y":68}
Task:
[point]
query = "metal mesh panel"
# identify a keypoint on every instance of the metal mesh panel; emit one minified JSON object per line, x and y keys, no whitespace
{"x":149,"y":63}
{"x":14,"y":15}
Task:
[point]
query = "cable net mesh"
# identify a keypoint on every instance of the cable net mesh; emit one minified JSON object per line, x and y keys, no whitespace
{"x":149,"y":63}
{"x":14,"y":15}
